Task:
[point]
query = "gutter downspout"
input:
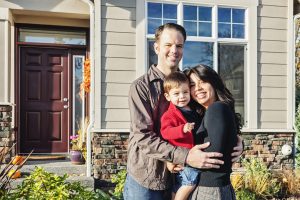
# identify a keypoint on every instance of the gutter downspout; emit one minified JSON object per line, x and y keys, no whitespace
{"x":295,"y":36}
{"x":92,"y":101}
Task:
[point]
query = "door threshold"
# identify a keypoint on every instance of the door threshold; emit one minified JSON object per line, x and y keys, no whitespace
{"x":47,"y":157}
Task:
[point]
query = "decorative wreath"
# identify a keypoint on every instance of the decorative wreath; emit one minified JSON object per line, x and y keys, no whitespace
{"x":86,"y":83}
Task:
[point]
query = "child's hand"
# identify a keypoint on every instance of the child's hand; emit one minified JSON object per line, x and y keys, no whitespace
{"x":188,"y":127}
{"x":173,"y":168}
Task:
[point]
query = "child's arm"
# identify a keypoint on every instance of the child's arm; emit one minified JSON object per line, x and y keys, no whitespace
{"x":169,"y":130}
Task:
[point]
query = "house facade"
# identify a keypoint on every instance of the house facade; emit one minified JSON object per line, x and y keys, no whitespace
{"x":43,"y":47}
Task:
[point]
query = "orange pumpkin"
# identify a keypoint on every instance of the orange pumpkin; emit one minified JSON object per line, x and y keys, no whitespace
{"x":14,"y":174}
{"x":17,"y":160}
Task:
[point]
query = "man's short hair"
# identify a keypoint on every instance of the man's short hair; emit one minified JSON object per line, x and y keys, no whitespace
{"x":161,"y":28}
{"x":174,"y":80}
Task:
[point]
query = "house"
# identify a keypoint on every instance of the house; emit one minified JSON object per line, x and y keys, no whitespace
{"x":44,"y":44}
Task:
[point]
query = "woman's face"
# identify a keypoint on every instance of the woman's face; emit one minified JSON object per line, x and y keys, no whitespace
{"x":202,"y":92}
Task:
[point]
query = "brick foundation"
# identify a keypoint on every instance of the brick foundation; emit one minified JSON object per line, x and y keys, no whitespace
{"x":109,"y":152}
{"x":6,"y":137}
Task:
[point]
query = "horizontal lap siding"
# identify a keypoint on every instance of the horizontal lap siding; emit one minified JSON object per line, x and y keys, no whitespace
{"x":272,"y":64}
{"x":118,"y":61}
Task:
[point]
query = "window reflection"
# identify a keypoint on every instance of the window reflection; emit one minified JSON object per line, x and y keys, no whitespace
{"x":152,"y":57}
{"x":78,"y":105}
{"x":52,"y":36}
{"x":204,"y":13}
{"x":170,"y":11}
{"x":197,"y":24}
{"x":231,"y":23}
{"x":205,"y":29}
{"x":198,"y":53}
{"x":224,"y":15}
{"x":155,"y":10}
{"x":191,"y":28}
{"x":159,"y":13}
{"x":190,"y":12}
{"x":238,"y":16}
{"x":231,"y":68}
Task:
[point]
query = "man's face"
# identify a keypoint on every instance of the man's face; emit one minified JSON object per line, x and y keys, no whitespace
{"x":169,"y":48}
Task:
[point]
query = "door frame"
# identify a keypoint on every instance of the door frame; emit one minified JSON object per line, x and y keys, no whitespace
{"x":72,"y":50}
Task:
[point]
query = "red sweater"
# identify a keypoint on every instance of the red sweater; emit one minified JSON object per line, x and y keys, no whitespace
{"x":172,"y":123}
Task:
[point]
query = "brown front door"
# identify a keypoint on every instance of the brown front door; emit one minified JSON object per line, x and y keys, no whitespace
{"x":44,"y":100}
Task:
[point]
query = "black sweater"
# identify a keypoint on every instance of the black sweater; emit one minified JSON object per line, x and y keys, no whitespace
{"x":218,"y":127}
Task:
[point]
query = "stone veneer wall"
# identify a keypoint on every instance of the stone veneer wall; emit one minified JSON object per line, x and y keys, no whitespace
{"x":267,"y":147}
{"x":109,"y":152}
{"x":6,"y":137}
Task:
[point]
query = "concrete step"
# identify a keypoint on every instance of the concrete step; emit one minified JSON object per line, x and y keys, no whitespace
{"x":59,"y":167}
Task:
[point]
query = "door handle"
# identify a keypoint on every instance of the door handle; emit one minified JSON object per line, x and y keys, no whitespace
{"x":66,"y":106}
{"x":65,"y":99}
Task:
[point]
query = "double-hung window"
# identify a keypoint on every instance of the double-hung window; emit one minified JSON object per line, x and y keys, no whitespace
{"x":218,"y":35}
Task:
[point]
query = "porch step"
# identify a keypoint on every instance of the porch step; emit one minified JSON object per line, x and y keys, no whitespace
{"x":59,"y":167}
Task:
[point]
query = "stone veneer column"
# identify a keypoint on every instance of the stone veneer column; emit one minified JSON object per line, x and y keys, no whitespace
{"x":267,"y":147}
{"x":6,"y":138}
{"x":109,"y":154}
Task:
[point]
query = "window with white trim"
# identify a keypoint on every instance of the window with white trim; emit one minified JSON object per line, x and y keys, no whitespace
{"x":216,"y":36}
{"x":221,"y":33}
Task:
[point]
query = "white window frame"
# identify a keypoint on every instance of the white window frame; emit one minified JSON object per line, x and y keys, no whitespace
{"x":250,"y":41}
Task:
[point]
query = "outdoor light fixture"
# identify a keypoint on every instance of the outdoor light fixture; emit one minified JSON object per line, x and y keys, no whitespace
{"x":286,"y":150}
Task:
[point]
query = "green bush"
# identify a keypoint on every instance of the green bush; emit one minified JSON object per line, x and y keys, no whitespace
{"x":297,"y":125}
{"x":43,"y":185}
{"x":245,"y":194}
{"x":257,"y":181}
{"x":119,"y":179}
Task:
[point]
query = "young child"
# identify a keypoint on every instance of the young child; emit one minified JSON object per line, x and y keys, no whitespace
{"x":177,"y":125}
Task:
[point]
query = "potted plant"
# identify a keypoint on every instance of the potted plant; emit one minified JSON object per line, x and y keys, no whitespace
{"x":77,"y":150}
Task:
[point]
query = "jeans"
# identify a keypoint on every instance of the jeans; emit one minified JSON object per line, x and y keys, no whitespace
{"x":188,"y":176}
{"x":134,"y":191}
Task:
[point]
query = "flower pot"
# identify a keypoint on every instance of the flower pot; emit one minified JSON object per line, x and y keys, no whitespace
{"x":76,"y":157}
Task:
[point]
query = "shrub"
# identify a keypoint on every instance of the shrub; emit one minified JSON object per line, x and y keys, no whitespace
{"x":297,"y":125}
{"x":43,"y":185}
{"x":119,"y":179}
{"x":257,"y":180}
{"x":245,"y":194}
{"x":290,"y":182}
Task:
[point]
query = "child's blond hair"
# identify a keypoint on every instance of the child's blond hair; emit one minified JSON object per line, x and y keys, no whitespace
{"x":174,"y":80}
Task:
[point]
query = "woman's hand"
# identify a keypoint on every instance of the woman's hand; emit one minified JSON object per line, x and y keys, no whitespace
{"x":203,"y":160}
{"x":174,"y":168}
{"x":238,"y":150}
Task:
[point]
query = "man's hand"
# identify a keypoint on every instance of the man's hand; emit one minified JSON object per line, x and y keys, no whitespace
{"x":188,"y":127}
{"x":173,"y":168}
{"x":203,"y":160}
{"x":238,"y":150}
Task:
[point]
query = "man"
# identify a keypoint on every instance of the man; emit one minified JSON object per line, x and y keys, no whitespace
{"x":148,"y":177}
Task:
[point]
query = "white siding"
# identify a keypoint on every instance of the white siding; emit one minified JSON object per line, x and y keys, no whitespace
{"x":2,"y":62}
{"x":115,"y":89}
{"x":110,"y":76}
{"x":118,"y":61}
{"x":272,"y":69}
{"x":272,"y":64}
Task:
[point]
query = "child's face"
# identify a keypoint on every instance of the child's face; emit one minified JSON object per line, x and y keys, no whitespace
{"x":179,"y":96}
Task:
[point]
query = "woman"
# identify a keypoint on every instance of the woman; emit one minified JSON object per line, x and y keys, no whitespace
{"x":219,"y":126}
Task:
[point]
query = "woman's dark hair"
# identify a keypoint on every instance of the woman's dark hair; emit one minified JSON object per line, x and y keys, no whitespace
{"x":207,"y":74}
